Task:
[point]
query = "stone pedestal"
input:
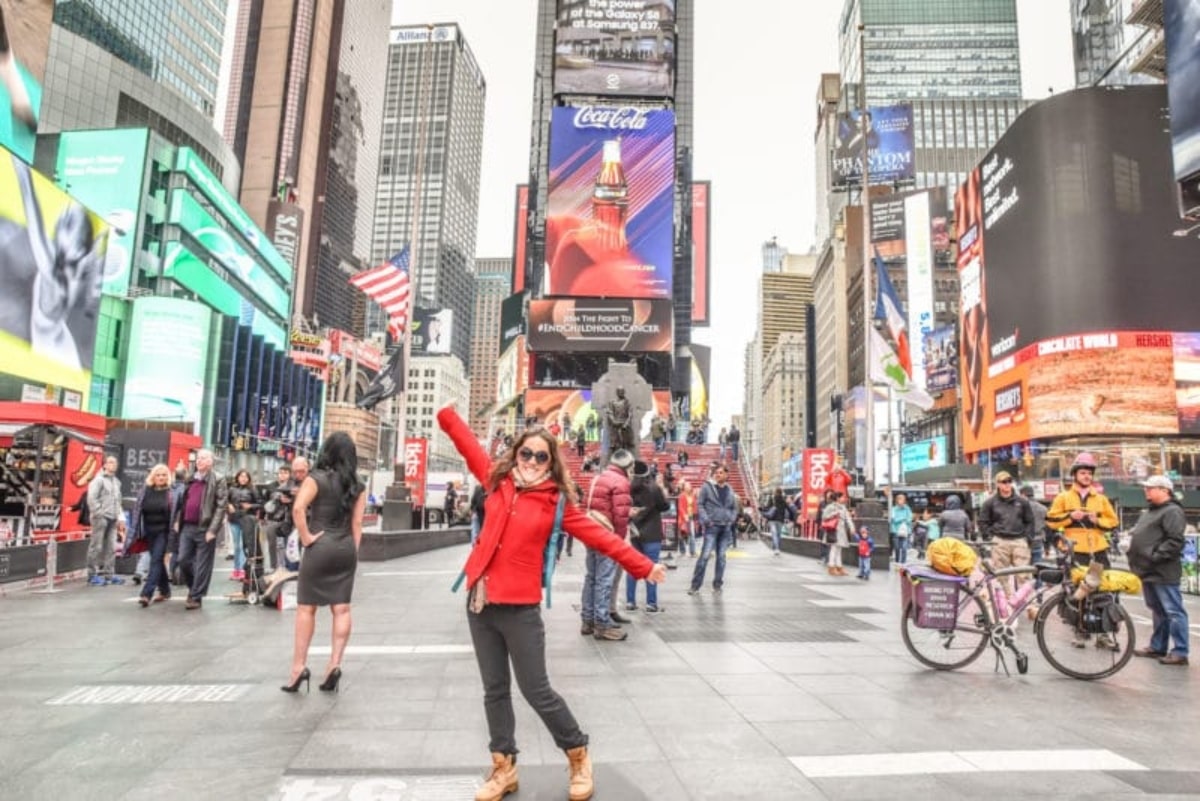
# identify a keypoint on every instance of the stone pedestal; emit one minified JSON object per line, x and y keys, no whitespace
{"x":397,"y":514}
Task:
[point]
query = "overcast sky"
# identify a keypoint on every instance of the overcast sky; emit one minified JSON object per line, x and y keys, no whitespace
{"x":757,"y":64}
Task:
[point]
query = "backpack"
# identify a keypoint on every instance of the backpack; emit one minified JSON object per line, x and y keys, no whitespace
{"x":549,"y":556}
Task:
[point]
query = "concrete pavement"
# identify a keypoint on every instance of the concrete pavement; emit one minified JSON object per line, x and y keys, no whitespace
{"x":789,"y":685}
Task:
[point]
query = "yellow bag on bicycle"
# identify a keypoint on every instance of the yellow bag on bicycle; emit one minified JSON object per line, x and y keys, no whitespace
{"x":952,"y":557}
{"x":1111,"y":580}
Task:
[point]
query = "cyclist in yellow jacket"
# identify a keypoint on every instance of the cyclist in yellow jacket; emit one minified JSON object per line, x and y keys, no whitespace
{"x":1084,"y":515}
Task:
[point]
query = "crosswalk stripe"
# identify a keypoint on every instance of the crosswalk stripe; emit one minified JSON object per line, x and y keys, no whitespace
{"x":931,"y":762}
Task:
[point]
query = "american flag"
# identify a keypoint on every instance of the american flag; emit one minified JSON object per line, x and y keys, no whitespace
{"x":388,"y":286}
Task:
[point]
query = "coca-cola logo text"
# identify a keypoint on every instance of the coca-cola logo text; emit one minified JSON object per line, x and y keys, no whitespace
{"x":625,"y":118}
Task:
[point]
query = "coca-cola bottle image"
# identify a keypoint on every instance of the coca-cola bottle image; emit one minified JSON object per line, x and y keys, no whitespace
{"x":610,"y":197}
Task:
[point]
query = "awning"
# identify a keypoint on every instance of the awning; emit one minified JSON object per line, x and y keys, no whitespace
{"x":13,"y":429}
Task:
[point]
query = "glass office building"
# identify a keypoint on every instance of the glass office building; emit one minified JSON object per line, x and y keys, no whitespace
{"x":1107,"y":47}
{"x":931,"y":49}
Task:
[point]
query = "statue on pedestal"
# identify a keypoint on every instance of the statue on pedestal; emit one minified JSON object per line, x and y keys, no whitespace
{"x":618,"y":417}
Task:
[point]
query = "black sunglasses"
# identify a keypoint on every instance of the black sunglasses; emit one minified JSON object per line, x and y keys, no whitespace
{"x":529,"y":455}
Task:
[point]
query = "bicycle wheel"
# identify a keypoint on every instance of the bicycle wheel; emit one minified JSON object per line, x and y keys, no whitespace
{"x":948,"y":649}
{"x":1087,"y":657}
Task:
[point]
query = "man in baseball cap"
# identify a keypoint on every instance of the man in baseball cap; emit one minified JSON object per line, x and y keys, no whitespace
{"x":1155,"y":547}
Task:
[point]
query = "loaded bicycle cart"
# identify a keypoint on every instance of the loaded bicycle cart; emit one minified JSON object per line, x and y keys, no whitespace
{"x":953,"y":609}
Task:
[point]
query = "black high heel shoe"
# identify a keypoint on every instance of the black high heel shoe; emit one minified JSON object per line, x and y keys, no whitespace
{"x":295,"y":685}
{"x":330,"y":684}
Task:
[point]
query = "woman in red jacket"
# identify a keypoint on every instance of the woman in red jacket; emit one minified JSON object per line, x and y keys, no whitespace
{"x":504,"y":576}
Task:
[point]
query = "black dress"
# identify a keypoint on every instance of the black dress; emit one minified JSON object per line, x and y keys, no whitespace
{"x":328,"y":566}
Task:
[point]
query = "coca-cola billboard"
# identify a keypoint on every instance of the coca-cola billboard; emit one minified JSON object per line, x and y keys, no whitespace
{"x":610,"y":215}
{"x":615,"y":47}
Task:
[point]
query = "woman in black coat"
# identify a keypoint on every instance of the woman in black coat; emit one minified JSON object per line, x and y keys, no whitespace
{"x":649,"y":503}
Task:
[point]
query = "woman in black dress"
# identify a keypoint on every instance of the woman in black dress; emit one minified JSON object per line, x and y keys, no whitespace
{"x":333,"y":496}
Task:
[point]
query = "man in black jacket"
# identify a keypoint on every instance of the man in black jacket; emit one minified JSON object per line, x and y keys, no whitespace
{"x":1007,"y":518}
{"x":1155,"y":546}
{"x":201,"y":517}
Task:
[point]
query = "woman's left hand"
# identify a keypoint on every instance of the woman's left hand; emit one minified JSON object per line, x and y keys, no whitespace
{"x":657,"y":575}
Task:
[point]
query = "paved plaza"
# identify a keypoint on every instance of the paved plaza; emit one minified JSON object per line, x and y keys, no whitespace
{"x":790,"y":685}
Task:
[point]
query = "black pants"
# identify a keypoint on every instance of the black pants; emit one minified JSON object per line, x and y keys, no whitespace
{"x":502,"y":633}
{"x":196,"y":556}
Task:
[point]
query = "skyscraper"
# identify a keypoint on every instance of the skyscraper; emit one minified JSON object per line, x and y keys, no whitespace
{"x":430,"y":156}
{"x":492,"y":281}
{"x":930,"y":49}
{"x":348,"y":214}
{"x":278,"y":116}
{"x":139,"y":64}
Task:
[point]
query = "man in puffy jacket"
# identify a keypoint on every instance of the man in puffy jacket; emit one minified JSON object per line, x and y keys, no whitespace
{"x":1007,"y":519}
{"x":1084,"y":515}
{"x":718,"y":511}
{"x":609,"y":503}
{"x":1155,"y":546}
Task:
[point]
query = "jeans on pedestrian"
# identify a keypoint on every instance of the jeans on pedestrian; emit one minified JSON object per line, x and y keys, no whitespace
{"x":597,"y":587}
{"x":776,"y":533}
{"x":1165,"y":602}
{"x":691,"y":538}
{"x":101,"y":553}
{"x":504,"y":633}
{"x":143,"y":566}
{"x":734,"y":446}
{"x":901,"y":545}
{"x":476,"y":524}
{"x":864,"y":566}
{"x":716,"y":539}
{"x":614,"y":592}
{"x":651,"y":550}
{"x":196,"y":555}
{"x":156,"y":577}
{"x":237,"y":544}
{"x":1037,"y":550}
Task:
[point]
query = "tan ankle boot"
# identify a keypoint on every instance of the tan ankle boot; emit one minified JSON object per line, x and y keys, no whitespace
{"x":580,"y":788}
{"x":501,"y":781}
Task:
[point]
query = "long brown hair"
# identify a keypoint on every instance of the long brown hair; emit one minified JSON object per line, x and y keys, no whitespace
{"x":558,"y":471}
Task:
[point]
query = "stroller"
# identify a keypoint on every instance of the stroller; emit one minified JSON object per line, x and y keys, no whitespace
{"x":257,"y":587}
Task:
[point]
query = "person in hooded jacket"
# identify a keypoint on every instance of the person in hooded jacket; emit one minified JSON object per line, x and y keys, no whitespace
{"x":650,"y":502}
{"x":504,"y":579}
{"x":1155,"y":546}
{"x":954,"y":522}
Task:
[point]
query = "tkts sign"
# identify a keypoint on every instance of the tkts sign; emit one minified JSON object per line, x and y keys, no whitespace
{"x":416,"y":455}
{"x":818,"y":464}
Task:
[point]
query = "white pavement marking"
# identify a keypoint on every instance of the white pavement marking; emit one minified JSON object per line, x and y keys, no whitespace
{"x":151,"y":694}
{"x":396,"y":650}
{"x":412,"y":573}
{"x":397,"y":788}
{"x":833,"y":603}
{"x":929,"y":762}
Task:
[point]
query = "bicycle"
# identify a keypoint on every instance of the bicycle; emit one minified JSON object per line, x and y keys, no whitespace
{"x":948,"y":621}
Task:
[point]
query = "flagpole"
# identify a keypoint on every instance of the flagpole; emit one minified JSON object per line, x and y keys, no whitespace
{"x":414,"y":238}
{"x":865,"y":196}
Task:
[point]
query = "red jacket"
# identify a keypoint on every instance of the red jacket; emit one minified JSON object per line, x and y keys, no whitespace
{"x":516,"y":528}
{"x":610,"y":496}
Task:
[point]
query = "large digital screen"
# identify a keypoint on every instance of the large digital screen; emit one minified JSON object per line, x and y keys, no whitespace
{"x":193,"y":218}
{"x":611,"y":206}
{"x":887,"y":134}
{"x":52,"y":253}
{"x":432,"y":331}
{"x":24,"y":44}
{"x":889,"y":228}
{"x":168,"y":360}
{"x":924,"y":454}
{"x":512,"y":372}
{"x":700,"y":381}
{"x":573,"y":326}
{"x":1072,"y":318}
{"x":940,"y":357}
{"x":512,"y":319}
{"x":187,"y":162}
{"x":615,"y":47}
{"x":1181,"y":28}
{"x":106,"y":170}
{"x":701,"y":227}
